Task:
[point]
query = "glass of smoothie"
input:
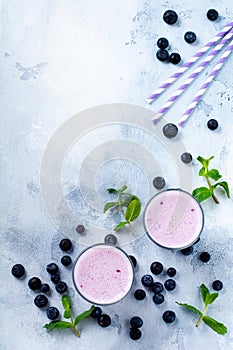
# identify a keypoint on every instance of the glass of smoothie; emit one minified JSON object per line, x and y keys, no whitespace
{"x":173,"y":219}
{"x":103,"y":274}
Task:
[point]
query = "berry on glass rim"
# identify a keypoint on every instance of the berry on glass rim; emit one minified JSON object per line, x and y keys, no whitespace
{"x":186,"y":157}
{"x":187,"y":251}
{"x":96,"y":312}
{"x":174,"y":58}
{"x":170,"y":130}
{"x":159,"y":182}
{"x":170,"y":17}
{"x":190,"y":37}
{"x":162,"y":43}
{"x":162,"y":55}
{"x":110,"y":239}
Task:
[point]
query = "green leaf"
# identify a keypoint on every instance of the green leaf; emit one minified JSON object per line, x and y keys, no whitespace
{"x":204,"y":162}
{"x":66,"y":302}
{"x":122,"y":189}
{"x":83,"y":315}
{"x":58,"y":325}
{"x":201,"y":193}
{"x":67,"y":314}
{"x":211,"y":298}
{"x":125,"y":199}
{"x":112,"y":190}
{"x":225,"y":186}
{"x":190,"y":307}
{"x":205,"y":293}
{"x":133,"y":210}
{"x":214,"y":174}
{"x":218,"y":327}
{"x":109,"y":205}
{"x":120,"y":225}
{"x":202,"y":172}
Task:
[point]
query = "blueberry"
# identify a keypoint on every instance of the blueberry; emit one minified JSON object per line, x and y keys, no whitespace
{"x":170,"y":284}
{"x":66,"y":260}
{"x":80,"y":229}
{"x":162,"y":43}
{"x":171,"y":271}
{"x":212,"y":124}
{"x":41,"y":300}
{"x":136,"y":322}
{"x":158,"y":298}
{"x":135,"y":333}
{"x":104,"y":320}
{"x":65,"y":244}
{"x":186,"y":157}
{"x":162,"y":55}
{"x":170,"y":130}
{"x":217,"y":285}
{"x":212,"y":15}
{"x":169,"y":316}
{"x":159,"y":182}
{"x":52,"y":268}
{"x":187,"y":251}
{"x":110,"y":239}
{"x":174,"y":58}
{"x":52,"y":313}
{"x":139,"y":294}
{"x":18,"y":270}
{"x":204,"y":257}
{"x":45,"y":288}
{"x":96,"y":313}
{"x":157,"y":287}
{"x":147,"y":280}
{"x":190,"y":37}
{"x":170,"y":17}
{"x":55,"y":278}
{"x":61,"y":287}
{"x":133,"y":260}
{"x":156,"y":267}
{"x":34,"y":283}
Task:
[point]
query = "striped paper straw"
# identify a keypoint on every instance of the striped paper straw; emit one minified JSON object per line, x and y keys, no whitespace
{"x":191,"y":77}
{"x":189,"y":63}
{"x":206,"y":84}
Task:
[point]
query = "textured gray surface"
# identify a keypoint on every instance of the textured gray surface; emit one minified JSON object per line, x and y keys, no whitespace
{"x":59,"y":58}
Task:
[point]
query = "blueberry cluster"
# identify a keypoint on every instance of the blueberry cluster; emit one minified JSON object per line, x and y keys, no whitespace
{"x":163,"y":55}
{"x":103,"y":320}
{"x":135,"y":333}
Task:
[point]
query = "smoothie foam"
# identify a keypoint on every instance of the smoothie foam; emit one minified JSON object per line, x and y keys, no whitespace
{"x":173,"y":219}
{"x":103,"y":274}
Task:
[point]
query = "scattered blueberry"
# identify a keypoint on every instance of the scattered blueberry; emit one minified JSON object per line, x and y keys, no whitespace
{"x":66,"y":260}
{"x":80,"y":229}
{"x":55,"y":278}
{"x":104,"y":320}
{"x":65,"y":244}
{"x":136,"y":322}
{"x":157,"y":287}
{"x":162,"y":43}
{"x":158,"y":298}
{"x":96,"y":313}
{"x":34,"y":283}
{"x":170,"y":130}
{"x":170,"y":284}
{"x":169,"y":316}
{"x":174,"y":58}
{"x":162,"y":55}
{"x":190,"y":37}
{"x":212,"y":15}
{"x":186,"y":157}
{"x":204,"y":257}
{"x":110,"y":239}
{"x":61,"y":287}
{"x":18,"y":270}
{"x":41,"y":300}
{"x":217,"y":285}
{"x":139,"y":294}
{"x":170,"y":17}
{"x":52,"y":313}
{"x":52,"y":268}
{"x":187,"y":251}
{"x":156,"y":267}
{"x":159,"y":182}
{"x":135,"y":333}
{"x":171,"y":271}
{"x":147,"y":280}
{"x":44,"y":288}
{"x":133,"y":260}
{"x":212,"y":124}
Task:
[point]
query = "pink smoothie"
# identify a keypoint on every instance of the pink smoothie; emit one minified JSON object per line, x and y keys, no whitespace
{"x":103,"y":274}
{"x":173,"y":219}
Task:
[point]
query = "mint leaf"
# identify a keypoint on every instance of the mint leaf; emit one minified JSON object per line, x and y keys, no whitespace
{"x":218,"y":327}
{"x":112,"y":190}
{"x":211,"y":298}
{"x":133,"y":210}
{"x":205,"y":293}
{"x":120,"y":225}
{"x":67,"y":314}
{"x":214,"y":174}
{"x":125,"y":199}
{"x":204,"y":162}
{"x":201,"y":193}
{"x":66,"y":302}
{"x":83,"y":315}
{"x":109,"y":205}
{"x":202,"y":172}
{"x":225,"y":186}
{"x":122,"y":189}
{"x":58,"y":325}
{"x":190,"y":307}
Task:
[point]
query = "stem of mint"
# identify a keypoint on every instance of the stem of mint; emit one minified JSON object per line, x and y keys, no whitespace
{"x":212,"y":190}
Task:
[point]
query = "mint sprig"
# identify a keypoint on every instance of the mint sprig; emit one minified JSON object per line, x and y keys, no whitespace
{"x":124,"y":200}
{"x":68,"y":315}
{"x":208,"y":298}
{"x":203,"y":193}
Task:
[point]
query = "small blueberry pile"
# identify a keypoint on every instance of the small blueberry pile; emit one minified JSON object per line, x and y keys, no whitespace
{"x":103,"y":320}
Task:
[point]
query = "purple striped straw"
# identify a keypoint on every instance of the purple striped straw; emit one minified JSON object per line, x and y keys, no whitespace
{"x":192,"y":77}
{"x":189,"y":63}
{"x":206,"y":84}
